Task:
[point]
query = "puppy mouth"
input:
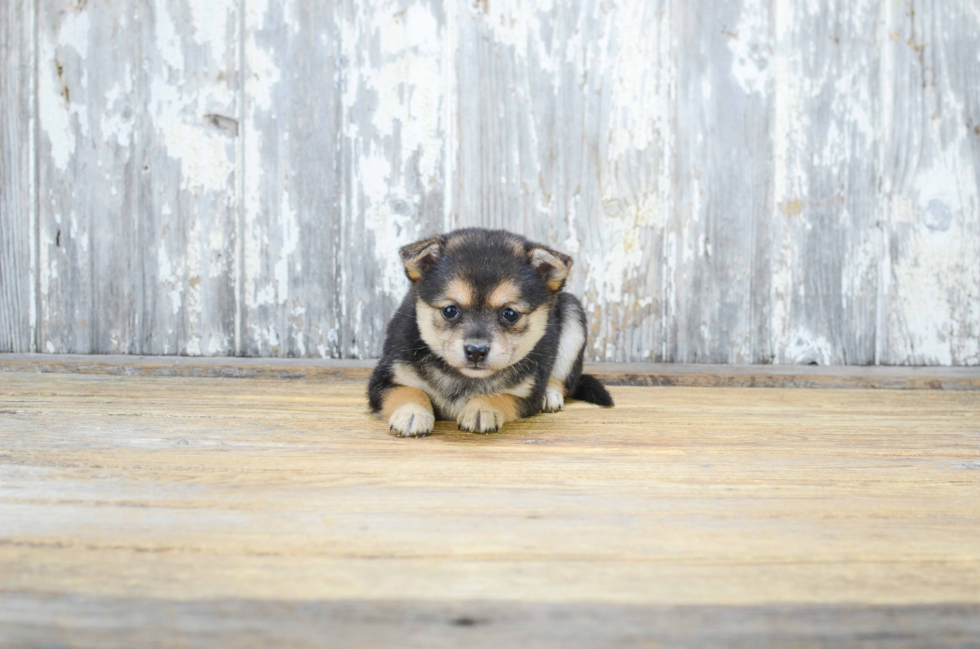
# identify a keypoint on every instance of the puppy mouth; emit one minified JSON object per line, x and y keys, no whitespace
{"x":476,"y":370}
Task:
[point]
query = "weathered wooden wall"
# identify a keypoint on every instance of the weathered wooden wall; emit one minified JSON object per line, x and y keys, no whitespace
{"x":743,"y":181}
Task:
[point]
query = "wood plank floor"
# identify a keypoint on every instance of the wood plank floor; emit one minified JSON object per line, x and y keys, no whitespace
{"x":138,"y":511}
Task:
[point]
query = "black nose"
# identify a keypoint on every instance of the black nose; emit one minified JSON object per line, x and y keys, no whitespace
{"x":476,"y":353}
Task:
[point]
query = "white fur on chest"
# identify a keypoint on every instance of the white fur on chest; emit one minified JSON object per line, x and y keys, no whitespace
{"x":570,"y":344}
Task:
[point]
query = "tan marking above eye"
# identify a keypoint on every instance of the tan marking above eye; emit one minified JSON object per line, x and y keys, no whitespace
{"x":505,"y":294}
{"x":460,"y":292}
{"x":456,"y":241}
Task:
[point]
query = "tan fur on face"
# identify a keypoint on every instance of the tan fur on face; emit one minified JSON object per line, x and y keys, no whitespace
{"x":524,"y":340}
{"x":506,"y":293}
{"x":506,"y":348}
{"x":459,"y":292}
{"x":507,"y":345}
{"x":447,"y":343}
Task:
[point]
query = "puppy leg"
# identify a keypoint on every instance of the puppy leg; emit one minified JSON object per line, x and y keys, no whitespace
{"x":554,"y":396}
{"x":486,"y":414}
{"x":568,"y":358}
{"x":408,"y":411}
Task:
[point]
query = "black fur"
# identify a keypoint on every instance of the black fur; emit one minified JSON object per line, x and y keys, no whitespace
{"x":589,"y":389}
{"x":485,"y":258}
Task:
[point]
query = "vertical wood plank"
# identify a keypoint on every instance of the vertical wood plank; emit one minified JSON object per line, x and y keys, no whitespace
{"x":931,"y":182}
{"x":394,"y":152}
{"x":715,"y":170}
{"x":825,"y":216}
{"x":17,"y":198}
{"x":292,"y":195}
{"x":136,"y":189}
{"x":718,"y":274}
{"x":565,"y":114}
{"x":344,"y":164}
{"x":90,"y":162}
{"x":187,"y":206}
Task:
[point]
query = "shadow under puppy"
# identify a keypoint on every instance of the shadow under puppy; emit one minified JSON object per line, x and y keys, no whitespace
{"x":484,"y":336}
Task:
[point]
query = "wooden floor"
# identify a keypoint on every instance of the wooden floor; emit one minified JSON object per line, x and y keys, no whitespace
{"x":139,"y":511}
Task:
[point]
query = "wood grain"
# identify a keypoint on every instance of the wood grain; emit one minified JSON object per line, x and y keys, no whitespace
{"x":825,"y":214}
{"x":393,"y":146}
{"x":718,"y":238}
{"x":261,"y":501}
{"x":117,"y":622}
{"x":565,"y":139}
{"x":742,"y":182}
{"x":290,"y":274}
{"x":931,"y":184}
{"x":344,"y":164}
{"x":137,"y":118}
{"x":17,"y":196}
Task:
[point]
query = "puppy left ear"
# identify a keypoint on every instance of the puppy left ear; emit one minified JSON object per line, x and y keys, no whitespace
{"x":418,"y":257}
{"x":553,"y":266}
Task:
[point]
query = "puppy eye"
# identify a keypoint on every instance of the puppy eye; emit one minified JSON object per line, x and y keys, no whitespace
{"x":450,"y":312}
{"x":510,"y":315}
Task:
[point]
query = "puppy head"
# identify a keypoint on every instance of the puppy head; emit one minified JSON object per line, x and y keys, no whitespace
{"x":483,"y":296}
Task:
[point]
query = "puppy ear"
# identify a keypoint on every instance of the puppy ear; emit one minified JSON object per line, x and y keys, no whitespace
{"x":418,"y":257}
{"x":553,"y":266}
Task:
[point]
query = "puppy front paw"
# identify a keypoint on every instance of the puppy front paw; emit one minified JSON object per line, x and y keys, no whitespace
{"x":480,"y":418}
{"x":412,"y":420}
{"x":553,"y":400}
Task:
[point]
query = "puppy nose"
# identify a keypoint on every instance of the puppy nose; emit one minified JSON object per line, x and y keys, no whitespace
{"x":476,"y":353}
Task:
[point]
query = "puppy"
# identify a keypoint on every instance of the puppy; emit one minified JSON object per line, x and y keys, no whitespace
{"x":484,"y":336}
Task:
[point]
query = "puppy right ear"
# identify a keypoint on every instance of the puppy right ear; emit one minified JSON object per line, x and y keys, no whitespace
{"x":418,"y":257}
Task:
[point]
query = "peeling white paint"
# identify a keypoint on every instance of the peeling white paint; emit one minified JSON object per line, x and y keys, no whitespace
{"x":516,"y":24}
{"x":938,"y":226}
{"x":57,"y":56}
{"x":206,"y":155}
{"x":209,"y":26}
{"x":55,"y":119}
{"x":290,"y":243}
{"x":261,"y":77}
{"x":114,"y":127}
{"x":637,"y":118}
{"x":788,"y":138}
{"x":930,"y":274}
{"x":168,"y":42}
{"x":583,"y":155}
{"x":406,"y":83}
{"x":751,"y":48}
{"x":449,"y":37}
{"x":263,"y":73}
{"x":622,"y":257}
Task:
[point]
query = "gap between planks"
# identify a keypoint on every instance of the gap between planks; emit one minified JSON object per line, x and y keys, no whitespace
{"x":638,"y":374}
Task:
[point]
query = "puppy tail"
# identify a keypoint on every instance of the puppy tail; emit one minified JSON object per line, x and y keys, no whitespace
{"x":589,"y":389}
